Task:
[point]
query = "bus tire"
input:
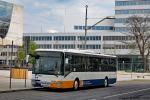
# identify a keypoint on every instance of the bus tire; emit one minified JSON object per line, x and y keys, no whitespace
{"x":76,"y":84}
{"x":106,"y":84}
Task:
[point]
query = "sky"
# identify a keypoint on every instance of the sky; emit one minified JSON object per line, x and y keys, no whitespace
{"x":49,"y":15}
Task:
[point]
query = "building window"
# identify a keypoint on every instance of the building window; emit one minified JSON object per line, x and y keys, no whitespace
{"x":89,"y":46}
{"x":64,"y":46}
{"x":133,"y":11}
{"x":89,"y":38}
{"x":94,"y":28}
{"x":64,"y":38}
{"x":41,"y":38}
{"x":44,"y":46}
{"x":121,"y":20}
{"x":117,"y":38}
{"x":113,"y":46}
{"x":76,"y":27}
{"x":131,"y":3}
{"x":121,"y":29}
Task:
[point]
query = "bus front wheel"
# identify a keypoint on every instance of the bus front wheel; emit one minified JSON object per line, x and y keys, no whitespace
{"x":76,"y":85}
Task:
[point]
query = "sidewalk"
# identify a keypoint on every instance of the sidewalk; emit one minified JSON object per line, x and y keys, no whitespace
{"x":16,"y":84}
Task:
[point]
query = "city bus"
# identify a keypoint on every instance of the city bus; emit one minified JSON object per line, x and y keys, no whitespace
{"x":63,"y":69}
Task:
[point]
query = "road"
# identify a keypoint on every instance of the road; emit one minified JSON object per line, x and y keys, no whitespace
{"x":127,"y":90}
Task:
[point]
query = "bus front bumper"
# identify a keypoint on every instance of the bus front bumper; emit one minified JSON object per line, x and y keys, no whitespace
{"x":52,"y":84}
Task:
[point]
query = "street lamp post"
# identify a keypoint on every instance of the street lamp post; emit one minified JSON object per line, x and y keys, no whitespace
{"x":131,"y":67}
{"x":85,"y":26}
{"x":90,"y":27}
{"x":11,"y":63}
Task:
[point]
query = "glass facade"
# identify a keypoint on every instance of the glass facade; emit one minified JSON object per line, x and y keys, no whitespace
{"x":133,"y":11}
{"x":121,"y":20}
{"x":121,"y":29}
{"x":5,"y":17}
{"x":124,"y":10}
{"x":130,"y":63}
{"x":94,"y":28}
{"x":134,"y":2}
{"x":125,"y":20}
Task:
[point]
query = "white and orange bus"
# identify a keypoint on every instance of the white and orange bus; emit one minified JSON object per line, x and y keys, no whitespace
{"x":72,"y":69}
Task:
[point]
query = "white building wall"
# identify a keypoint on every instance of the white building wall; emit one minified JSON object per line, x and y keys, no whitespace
{"x":15,"y":32}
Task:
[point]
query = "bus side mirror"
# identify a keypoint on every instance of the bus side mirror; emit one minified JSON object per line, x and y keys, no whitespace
{"x":66,"y":60}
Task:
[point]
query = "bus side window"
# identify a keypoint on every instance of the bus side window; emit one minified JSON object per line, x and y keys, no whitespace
{"x":99,"y":64}
{"x":96,"y":64}
{"x":104,"y":64}
{"x":68,"y":60}
{"x":112,"y":64}
{"x":67,"y":69}
{"x":73,"y":64}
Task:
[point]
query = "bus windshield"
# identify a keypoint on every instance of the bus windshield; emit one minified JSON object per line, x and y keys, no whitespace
{"x":49,"y":63}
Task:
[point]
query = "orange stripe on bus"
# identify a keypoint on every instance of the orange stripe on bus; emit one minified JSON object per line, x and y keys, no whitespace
{"x":61,"y":84}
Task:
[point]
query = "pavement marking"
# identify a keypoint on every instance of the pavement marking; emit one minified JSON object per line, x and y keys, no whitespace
{"x":126,"y":93}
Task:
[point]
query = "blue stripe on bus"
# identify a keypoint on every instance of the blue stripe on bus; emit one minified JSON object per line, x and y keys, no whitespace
{"x":97,"y":82}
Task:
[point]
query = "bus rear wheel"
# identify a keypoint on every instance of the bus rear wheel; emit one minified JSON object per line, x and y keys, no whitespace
{"x":76,"y":85}
{"x":106,"y":82}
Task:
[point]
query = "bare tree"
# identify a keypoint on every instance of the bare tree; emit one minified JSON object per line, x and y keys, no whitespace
{"x":139,"y":31}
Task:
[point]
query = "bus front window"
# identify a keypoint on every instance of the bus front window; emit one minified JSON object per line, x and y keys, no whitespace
{"x":50,"y":65}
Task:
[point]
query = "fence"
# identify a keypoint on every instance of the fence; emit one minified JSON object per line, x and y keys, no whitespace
{"x":131,"y":67}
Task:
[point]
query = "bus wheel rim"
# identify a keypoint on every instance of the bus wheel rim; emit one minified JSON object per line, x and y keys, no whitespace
{"x":106,"y":83}
{"x":75,"y":85}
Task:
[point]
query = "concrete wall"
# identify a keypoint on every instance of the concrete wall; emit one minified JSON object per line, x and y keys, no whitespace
{"x":6,"y":73}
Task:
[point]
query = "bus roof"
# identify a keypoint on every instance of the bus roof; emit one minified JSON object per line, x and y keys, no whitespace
{"x":75,"y":51}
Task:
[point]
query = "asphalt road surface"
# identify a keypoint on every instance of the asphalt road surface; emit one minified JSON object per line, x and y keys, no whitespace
{"x":127,"y":90}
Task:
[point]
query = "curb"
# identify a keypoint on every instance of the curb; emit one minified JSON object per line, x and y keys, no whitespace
{"x":133,"y":80}
{"x":16,"y":90}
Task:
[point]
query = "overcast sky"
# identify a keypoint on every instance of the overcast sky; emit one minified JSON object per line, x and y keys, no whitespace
{"x":45,"y":15}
